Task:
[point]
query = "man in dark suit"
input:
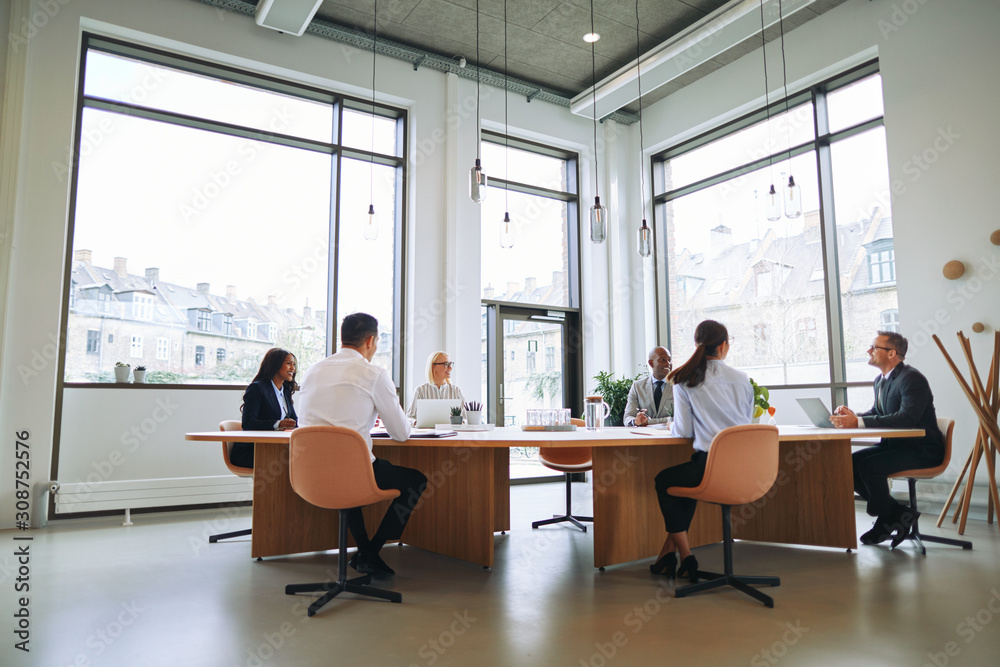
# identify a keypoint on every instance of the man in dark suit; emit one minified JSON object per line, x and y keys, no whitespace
{"x":903,"y":399}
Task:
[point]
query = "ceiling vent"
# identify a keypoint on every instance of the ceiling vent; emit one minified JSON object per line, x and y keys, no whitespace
{"x":288,"y":16}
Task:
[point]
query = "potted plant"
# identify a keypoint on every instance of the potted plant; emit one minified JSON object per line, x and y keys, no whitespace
{"x":139,"y":374}
{"x":121,"y":372}
{"x":615,"y":393}
{"x":456,"y":415}
{"x":760,"y":398}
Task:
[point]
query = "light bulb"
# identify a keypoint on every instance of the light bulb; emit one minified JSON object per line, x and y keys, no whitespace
{"x":477,"y":183}
{"x":371,"y":225}
{"x":645,"y":238}
{"x":793,"y":199}
{"x":773,"y":208}
{"x":506,"y":232}
{"x":598,"y":221}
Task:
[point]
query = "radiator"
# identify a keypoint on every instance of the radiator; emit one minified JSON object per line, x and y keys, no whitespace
{"x":142,"y":493}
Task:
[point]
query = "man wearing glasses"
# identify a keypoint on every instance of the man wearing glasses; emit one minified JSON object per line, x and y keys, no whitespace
{"x":650,"y":400}
{"x":903,"y":399}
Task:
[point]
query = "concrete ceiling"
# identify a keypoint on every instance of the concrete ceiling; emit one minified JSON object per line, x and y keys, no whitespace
{"x":545,"y":37}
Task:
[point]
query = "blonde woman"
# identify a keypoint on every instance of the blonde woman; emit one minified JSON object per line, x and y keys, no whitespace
{"x":438,"y":383}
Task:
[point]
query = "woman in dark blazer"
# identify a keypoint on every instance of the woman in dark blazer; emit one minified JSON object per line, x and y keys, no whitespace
{"x":262,"y":408}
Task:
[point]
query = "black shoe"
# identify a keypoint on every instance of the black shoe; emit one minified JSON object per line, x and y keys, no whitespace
{"x":689,"y":569}
{"x":879,"y":533}
{"x":904,"y":526}
{"x":371,"y":564}
{"x":666,"y":565}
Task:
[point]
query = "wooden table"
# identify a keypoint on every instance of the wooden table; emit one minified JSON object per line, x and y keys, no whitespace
{"x":468,"y":493}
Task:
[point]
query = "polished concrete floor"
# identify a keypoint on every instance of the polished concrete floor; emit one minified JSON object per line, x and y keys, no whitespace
{"x":157,"y":593}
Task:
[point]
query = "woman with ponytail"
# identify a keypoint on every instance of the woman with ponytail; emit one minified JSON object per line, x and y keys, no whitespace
{"x":709,"y":396}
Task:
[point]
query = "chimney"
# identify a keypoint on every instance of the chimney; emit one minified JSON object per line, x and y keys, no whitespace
{"x":231,"y":292}
{"x":83,"y":256}
{"x":488,"y":292}
{"x":272,"y":300}
{"x":307,"y":313}
{"x":203,"y":288}
{"x":529,"y":285}
{"x":557,"y":279}
{"x":120,"y":267}
{"x":153,"y":274}
{"x":720,"y":240}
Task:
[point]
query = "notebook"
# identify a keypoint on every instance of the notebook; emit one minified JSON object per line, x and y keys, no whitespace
{"x":433,"y":411}
{"x":816,"y":411}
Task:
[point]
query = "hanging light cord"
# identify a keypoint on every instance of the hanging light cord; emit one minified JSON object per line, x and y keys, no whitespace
{"x":479,"y":140}
{"x":371,"y":157}
{"x":593,"y":75}
{"x":506,"y":137}
{"x":767,"y":105}
{"x":784,"y":79}
{"x":638,"y":74}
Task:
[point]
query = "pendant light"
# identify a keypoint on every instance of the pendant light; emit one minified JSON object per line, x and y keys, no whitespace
{"x":793,"y":193}
{"x":506,"y":227}
{"x":644,"y":236}
{"x":477,"y":179}
{"x":772,"y":202}
{"x":371,"y":223}
{"x":598,"y":213}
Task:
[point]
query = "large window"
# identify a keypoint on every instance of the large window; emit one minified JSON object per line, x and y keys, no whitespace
{"x":726,"y":260}
{"x":212,"y":207}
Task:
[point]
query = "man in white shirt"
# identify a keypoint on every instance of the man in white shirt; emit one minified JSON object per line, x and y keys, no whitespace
{"x":347,"y":390}
{"x":650,"y":400}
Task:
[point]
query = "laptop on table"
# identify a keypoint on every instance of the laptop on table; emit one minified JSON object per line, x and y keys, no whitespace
{"x":816,"y":411}
{"x":434,"y":411}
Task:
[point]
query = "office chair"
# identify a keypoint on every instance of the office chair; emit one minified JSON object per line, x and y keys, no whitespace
{"x":947,"y":427}
{"x":239,"y":471}
{"x":742,"y":466}
{"x":567,"y":460}
{"x":330,"y":467}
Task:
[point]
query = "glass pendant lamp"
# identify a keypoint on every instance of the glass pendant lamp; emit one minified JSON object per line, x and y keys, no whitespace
{"x":772,"y":206}
{"x":645,"y":240}
{"x":793,"y":199}
{"x":477,"y":183}
{"x":371,"y":224}
{"x":506,"y":232}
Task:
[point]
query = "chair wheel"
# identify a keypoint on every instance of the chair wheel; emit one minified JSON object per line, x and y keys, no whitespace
{"x":259,"y":558}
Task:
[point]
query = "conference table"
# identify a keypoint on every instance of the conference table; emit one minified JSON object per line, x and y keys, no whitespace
{"x":467,"y":499}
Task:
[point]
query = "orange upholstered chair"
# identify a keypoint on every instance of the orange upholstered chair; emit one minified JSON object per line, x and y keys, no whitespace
{"x":742,"y":466}
{"x":567,"y":460}
{"x":227,"y":448}
{"x":330,"y":467}
{"x":947,"y":427}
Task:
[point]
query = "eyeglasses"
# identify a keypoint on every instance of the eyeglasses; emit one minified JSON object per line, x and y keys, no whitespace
{"x":879,"y":347}
{"x":446,"y":364}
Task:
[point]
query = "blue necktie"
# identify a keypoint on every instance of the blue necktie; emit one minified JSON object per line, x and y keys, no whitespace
{"x":657,"y":395}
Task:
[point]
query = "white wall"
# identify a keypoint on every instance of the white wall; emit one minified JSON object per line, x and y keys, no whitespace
{"x":443,"y":288}
{"x":937,"y":61}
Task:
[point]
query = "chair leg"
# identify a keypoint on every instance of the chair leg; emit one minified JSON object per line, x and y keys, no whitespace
{"x":332,"y":589}
{"x":738,"y":581}
{"x":568,"y":516}
{"x":225,"y":536}
{"x":918,"y":537}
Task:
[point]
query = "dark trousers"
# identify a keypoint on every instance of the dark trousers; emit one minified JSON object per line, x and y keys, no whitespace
{"x":678,"y":512}
{"x":872,"y":467}
{"x":410,"y":483}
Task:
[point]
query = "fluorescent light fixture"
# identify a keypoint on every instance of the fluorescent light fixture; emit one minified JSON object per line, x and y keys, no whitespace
{"x":591,"y":37}
{"x":288,"y":16}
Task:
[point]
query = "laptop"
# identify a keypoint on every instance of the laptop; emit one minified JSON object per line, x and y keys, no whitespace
{"x":434,"y":411}
{"x":816,"y":411}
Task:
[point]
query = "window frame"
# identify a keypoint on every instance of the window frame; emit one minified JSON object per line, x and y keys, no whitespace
{"x":334,"y":148}
{"x":820,"y":144}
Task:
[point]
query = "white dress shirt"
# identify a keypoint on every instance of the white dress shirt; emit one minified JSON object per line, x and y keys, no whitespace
{"x":346,"y":390}
{"x":428,"y":390}
{"x":723,"y":399}
{"x":279,"y":392}
{"x":641,"y":396}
